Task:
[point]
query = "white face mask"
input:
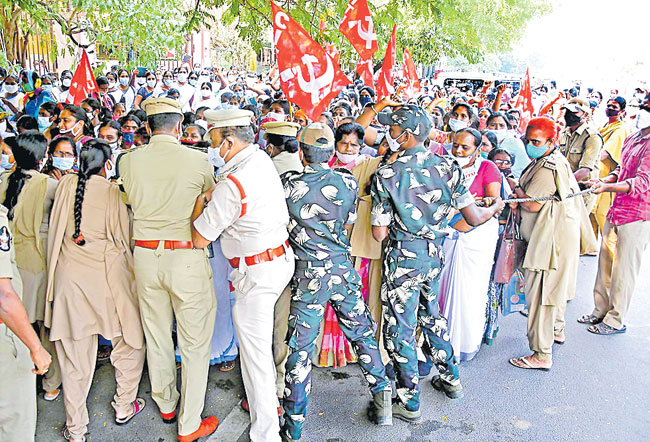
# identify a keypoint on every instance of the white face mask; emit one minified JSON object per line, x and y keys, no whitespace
{"x":90,"y":116}
{"x":62,"y":163}
{"x":151,"y":83}
{"x":6,"y":165}
{"x":182,"y":78}
{"x":393,"y":144}
{"x":500,"y":134}
{"x":275,"y":116}
{"x":167,"y":82}
{"x":346,"y":158}
{"x":462,"y":161}
{"x":66,"y":82}
{"x":11,"y":88}
{"x":205,"y":93}
{"x":215,"y":158}
{"x":43,"y":123}
{"x":643,"y":119}
{"x":112,"y":85}
{"x":456,"y":125}
{"x":124,"y":81}
{"x":69,"y":131}
{"x":113,"y":146}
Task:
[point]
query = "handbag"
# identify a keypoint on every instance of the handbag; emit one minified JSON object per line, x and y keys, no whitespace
{"x":511,"y":251}
{"x":514,"y":298}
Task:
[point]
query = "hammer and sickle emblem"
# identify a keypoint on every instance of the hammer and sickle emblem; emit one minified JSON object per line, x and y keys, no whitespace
{"x":314,"y":84}
{"x":369,"y":34}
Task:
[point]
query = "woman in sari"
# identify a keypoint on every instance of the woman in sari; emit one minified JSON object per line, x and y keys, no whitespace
{"x":35,"y":95}
{"x":28,"y":196}
{"x":91,"y":290}
{"x":469,"y":252}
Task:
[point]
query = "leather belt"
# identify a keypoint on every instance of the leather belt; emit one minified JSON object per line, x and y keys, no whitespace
{"x":171,"y":245}
{"x":265,"y":256}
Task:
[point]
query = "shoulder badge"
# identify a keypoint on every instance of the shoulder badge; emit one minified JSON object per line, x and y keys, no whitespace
{"x":5,"y":239}
{"x":550,"y":161}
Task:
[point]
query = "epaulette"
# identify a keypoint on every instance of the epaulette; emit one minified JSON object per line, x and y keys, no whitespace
{"x":550,"y":162}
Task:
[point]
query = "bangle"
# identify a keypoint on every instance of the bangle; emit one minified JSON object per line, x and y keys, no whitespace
{"x":372,"y":106}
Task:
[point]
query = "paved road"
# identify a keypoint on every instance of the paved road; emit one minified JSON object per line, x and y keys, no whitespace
{"x":598,"y":389}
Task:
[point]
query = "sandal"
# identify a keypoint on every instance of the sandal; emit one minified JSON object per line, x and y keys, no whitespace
{"x":138,"y":406}
{"x":68,"y":436}
{"x":589,"y":319}
{"x":227,"y":366}
{"x":524,"y":363}
{"x":104,"y":352}
{"x":52,"y":395}
{"x":604,"y":329}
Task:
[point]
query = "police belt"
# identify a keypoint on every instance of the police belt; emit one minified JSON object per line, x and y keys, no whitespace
{"x":306,"y":263}
{"x":265,"y":256}
{"x":415,"y":244}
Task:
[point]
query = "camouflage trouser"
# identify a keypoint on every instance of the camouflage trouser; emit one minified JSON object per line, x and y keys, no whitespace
{"x":409,"y":294}
{"x":312,"y":287}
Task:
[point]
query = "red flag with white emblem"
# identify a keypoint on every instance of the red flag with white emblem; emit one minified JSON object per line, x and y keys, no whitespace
{"x":309,"y":77}
{"x":83,"y":82}
{"x":385,"y":80}
{"x":364,"y":69}
{"x":524,"y":103}
{"x":357,"y":26}
{"x":411,"y":75}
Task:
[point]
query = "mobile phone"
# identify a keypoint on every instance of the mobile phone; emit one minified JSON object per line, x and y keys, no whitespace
{"x":141,"y":71}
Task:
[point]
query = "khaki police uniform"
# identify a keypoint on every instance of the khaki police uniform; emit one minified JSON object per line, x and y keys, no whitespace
{"x":248,"y":212}
{"x":17,"y":382}
{"x":161,"y":182}
{"x":582,"y":147}
{"x":284,"y":161}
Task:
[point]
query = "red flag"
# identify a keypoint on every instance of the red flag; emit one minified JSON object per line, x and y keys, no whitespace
{"x":331,"y":50}
{"x":83,"y":82}
{"x":524,"y":103}
{"x":299,"y":56}
{"x":385,"y":80}
{"x":357,"y":26}
{"x":364,"y":69}
{"x":411,"y":75}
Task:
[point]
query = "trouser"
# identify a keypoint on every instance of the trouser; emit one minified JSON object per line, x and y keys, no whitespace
{"x":619,"y":263}
{"x":257,"y":289}
{"x":77,"y":359}
{"x":312,"y":288}
{"x":177,"y":283}
{"x":51,"y":379}
{"x":409,"y":295}
{"x":542,"y":319}
{"x":280,"y":347}
{"x":17,"y":390}
{"x":598,"y":216}
{"x":374,"y":302}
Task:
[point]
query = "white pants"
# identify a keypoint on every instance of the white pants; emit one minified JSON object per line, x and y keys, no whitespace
{"x":257,"y":288}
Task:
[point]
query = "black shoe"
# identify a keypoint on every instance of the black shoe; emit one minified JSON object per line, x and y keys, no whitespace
{"x":452,"y":391}
{"x":286,"y":437}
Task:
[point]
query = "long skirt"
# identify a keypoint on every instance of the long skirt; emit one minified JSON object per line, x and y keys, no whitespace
{"x":468,"y":260}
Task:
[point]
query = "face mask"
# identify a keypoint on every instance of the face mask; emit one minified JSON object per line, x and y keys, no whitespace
{"x":484,"y":155}
{"x":346,"y":158}
{"x":110,"y":173}
{"x":205,"y":93}
{"x":167,"y":82}
{"x":43,"y":123}
{"x":113,"y":146}
{"x":214,"y":156}
{"x":535,"y":152}
{"x":506,"y":172}
{"x":11,"y":88}
{"x":140,"y":81}
{"x":66,"y":82}
{"x":275,"y":116}
{"x":463,"y":161}
{"x":571,"y":118}
{"x":393,"y":144}
{"x":364,"y":100}
{"x":112,"y":85}
{"x":611,"y":112}
{"x":6,"y":165}
{"x":643,"y":119}
{"x":90,"y":116}
{"x":151,"y":83}
{"x":182,"y":78}
{"x":456,"y":125}
{"x":62,"y":163}
{"x":124,"y":81}
{"x":192,"y":82}
{"x":127,"y":138}
{"x":500,"y":134}
{"x":69,"y":131}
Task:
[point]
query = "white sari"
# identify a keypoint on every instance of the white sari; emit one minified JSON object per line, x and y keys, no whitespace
{"x":468,"y":260}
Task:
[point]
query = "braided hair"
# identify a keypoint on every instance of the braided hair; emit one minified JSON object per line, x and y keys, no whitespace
{"x":92,"y":160}
{"x":28,"y":150}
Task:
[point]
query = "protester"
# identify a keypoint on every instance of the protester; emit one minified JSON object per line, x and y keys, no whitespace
{"x":148,"y":90}
{"x":498,"y":124}
{"x":61,"y":157}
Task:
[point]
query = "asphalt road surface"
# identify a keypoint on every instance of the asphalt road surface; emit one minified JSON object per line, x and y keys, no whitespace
{"x":598,"y":389}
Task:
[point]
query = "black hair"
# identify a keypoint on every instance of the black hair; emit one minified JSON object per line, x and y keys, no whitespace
{"x":80,"y":115}
{"x":27,"y":122}
{"x":92,"y":160}
{"x":226,"y":97}
{"x":201,"y":109}
{"x":130,"y":117}
{"x":242,"y":133}
{"x":494,"y":152}
{"x":49,"y":107}
{"x":28,"y":151}
{"x":188,"y":118}
{"x":143,"y":133}
{"x":490,"y":111}
{"x":502,"y":115}
{"x":347,"y":129}
{"x":620,"y":100}
{"x":330,"y":120}
{"x":473,"y":118}
{"x":102,"y":81}
{"x":284,"y":104}
{"x":202,"y":130}
{"x":491,"y":136}
{"x":92,"y":102}
{"x":206,"y":83}
{"x":165,"y":121}
{"x":478,"y":140}
{"x":369,"y":90}
{"x":95,"y":105}
{"x":267,"y":103}
{"x":252,"y":108}
{"x":316,"y":155}
{"x":112,"y":124}
{"x":47,"y":167}
{"x":343,"y":105}
{"x":139,"y":113}
{"x":285,"y":143}
{"x":112,"y":74}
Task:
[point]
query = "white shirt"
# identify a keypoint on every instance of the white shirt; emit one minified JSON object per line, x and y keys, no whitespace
{"x":264,"y":225}
{"x":128,"y":94}
{"x":15,"y":100}
{"x":186,"y":92}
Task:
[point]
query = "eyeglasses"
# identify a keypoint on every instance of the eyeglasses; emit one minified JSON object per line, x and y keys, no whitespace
{"x":60,"y":154}
{"x":503,"y":162}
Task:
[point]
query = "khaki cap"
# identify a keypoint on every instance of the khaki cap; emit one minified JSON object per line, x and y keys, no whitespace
{"x":163,"y":105}
{"x":227,"y":118}
{"x":317,"y":135}
{"x":576,"y":104}
{"x":286,"y":128}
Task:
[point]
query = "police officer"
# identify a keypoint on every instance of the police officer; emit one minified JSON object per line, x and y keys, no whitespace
{"x":282,"y":146}
{"x":20,"y":349}
{"x":322,"y":205}
{"x":247,"y":211}
{"x":581,"y":144}
{"x":161,"y":181}
{"x":411,"y":199}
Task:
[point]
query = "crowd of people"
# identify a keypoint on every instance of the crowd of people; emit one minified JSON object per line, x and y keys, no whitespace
{"x":196,"y":217}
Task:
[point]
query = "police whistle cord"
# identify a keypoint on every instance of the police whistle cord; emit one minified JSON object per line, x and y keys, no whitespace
{"x":543,"y":198}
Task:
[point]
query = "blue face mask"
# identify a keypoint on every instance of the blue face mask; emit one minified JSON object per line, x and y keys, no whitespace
{"x":127,"y":137}
{"x":364,"y":100}
{"x":43,"y":123}
{"x":484,"y":155}
{"x":63,"y":163}
{"x":6,"y":165}
{"x":535,"y":152}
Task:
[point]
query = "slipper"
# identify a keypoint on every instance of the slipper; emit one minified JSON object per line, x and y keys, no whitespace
{"x":52,"y":395}
{"x":138,"y":406}
{"x":604,"y":329}
{"x":589,"y":319}
{"x":525,"y":364}
{"x":104,"y":352}
{"x":559,"y":340}
{"x":227,"y":366}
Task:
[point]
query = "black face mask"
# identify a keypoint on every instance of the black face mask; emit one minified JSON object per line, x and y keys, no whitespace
{"x":611,"y":112}
{"x":571,"y":118}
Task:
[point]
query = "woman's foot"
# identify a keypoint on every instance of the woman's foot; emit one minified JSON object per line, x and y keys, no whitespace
{"x":52,"y":395}
{"x":226,"y":366}
{"x":531,"y":362}
{"x":136,"y":407}
{"x":104,"y":352}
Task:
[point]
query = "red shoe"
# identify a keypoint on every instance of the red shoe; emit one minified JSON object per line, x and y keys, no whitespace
{"x":207,"y":427}
{"x":168,"y":418}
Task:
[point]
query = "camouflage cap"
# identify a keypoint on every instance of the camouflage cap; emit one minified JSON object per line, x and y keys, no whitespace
{"x":409,"y":116}
{"x":317,"y":135}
